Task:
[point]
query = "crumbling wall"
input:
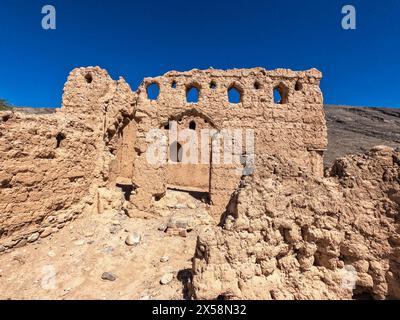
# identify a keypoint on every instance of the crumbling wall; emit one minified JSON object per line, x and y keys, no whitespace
{"x":291,"y":235}
{"x":294,"y":129}
{"x":46,"y":170}
{"x":52,"y":166}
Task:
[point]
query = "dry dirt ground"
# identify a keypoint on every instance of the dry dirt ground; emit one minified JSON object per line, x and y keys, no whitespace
{"x":69,"y":264}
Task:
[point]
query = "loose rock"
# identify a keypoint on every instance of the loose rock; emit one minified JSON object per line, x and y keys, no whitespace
{"x":108,"y":249}
{"x":22,"y":243}
{"x":79,"y":242}
{"x":133,"y":239}
{"x":164,"y":259}
{"x":46,"y":233}
{"x":114,"y":229}
{"x":166,"y":278}
{"x":109,"y":276}
{"x":33,"y":237}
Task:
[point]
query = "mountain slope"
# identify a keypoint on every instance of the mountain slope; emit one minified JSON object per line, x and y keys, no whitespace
{"x":357,"y":129}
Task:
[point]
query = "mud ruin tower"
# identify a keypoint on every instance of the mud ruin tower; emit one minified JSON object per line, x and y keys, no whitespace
{"x":59,"y":165}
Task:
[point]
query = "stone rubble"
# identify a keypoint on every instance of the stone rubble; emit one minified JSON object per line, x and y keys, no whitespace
{"x":298,"y":237}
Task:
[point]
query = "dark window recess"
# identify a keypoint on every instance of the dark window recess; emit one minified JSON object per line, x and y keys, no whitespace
{"x":192,"y":125}
{"x":89,"y":78}
{"x":127,"y":190}
{"x":298,"y":86}
{"x":59,"y":138}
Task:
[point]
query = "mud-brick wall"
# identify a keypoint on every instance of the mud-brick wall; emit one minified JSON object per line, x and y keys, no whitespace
{"x":294,"y":129}
{"x":52,"y":166}
{"x":46,"y":166}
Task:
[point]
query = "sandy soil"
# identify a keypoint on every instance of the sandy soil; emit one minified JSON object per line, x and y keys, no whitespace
{"x":70,"y":263}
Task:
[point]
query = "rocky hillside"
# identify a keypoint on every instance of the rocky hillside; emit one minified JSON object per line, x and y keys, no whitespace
{"x":357,"y":129}
{"x":30,"y":110}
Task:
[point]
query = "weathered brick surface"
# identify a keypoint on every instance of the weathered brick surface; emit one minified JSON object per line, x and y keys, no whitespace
{"x":52,"y":165}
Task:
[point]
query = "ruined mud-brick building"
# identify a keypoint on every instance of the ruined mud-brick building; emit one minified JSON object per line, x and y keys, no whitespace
{"x":59,"y":165}
{"x":284,"y":228}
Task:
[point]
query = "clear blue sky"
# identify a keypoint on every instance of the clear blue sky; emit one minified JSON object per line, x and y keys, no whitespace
{"x":141,"y":38}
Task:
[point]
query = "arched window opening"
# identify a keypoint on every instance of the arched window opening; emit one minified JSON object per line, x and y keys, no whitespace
{"x":176,"y":152}
{"x":173,"y":85}
{"x":192,"y":95}
{"x":192,"y":125}
{"x":277,"y":96}
{"x":213,"y":85}
{"x":166,"y":126}
{"x":153,"y":91}
{"x":281,"y":94}
{"x":257,"y":85}
{"x":234,"y":95}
